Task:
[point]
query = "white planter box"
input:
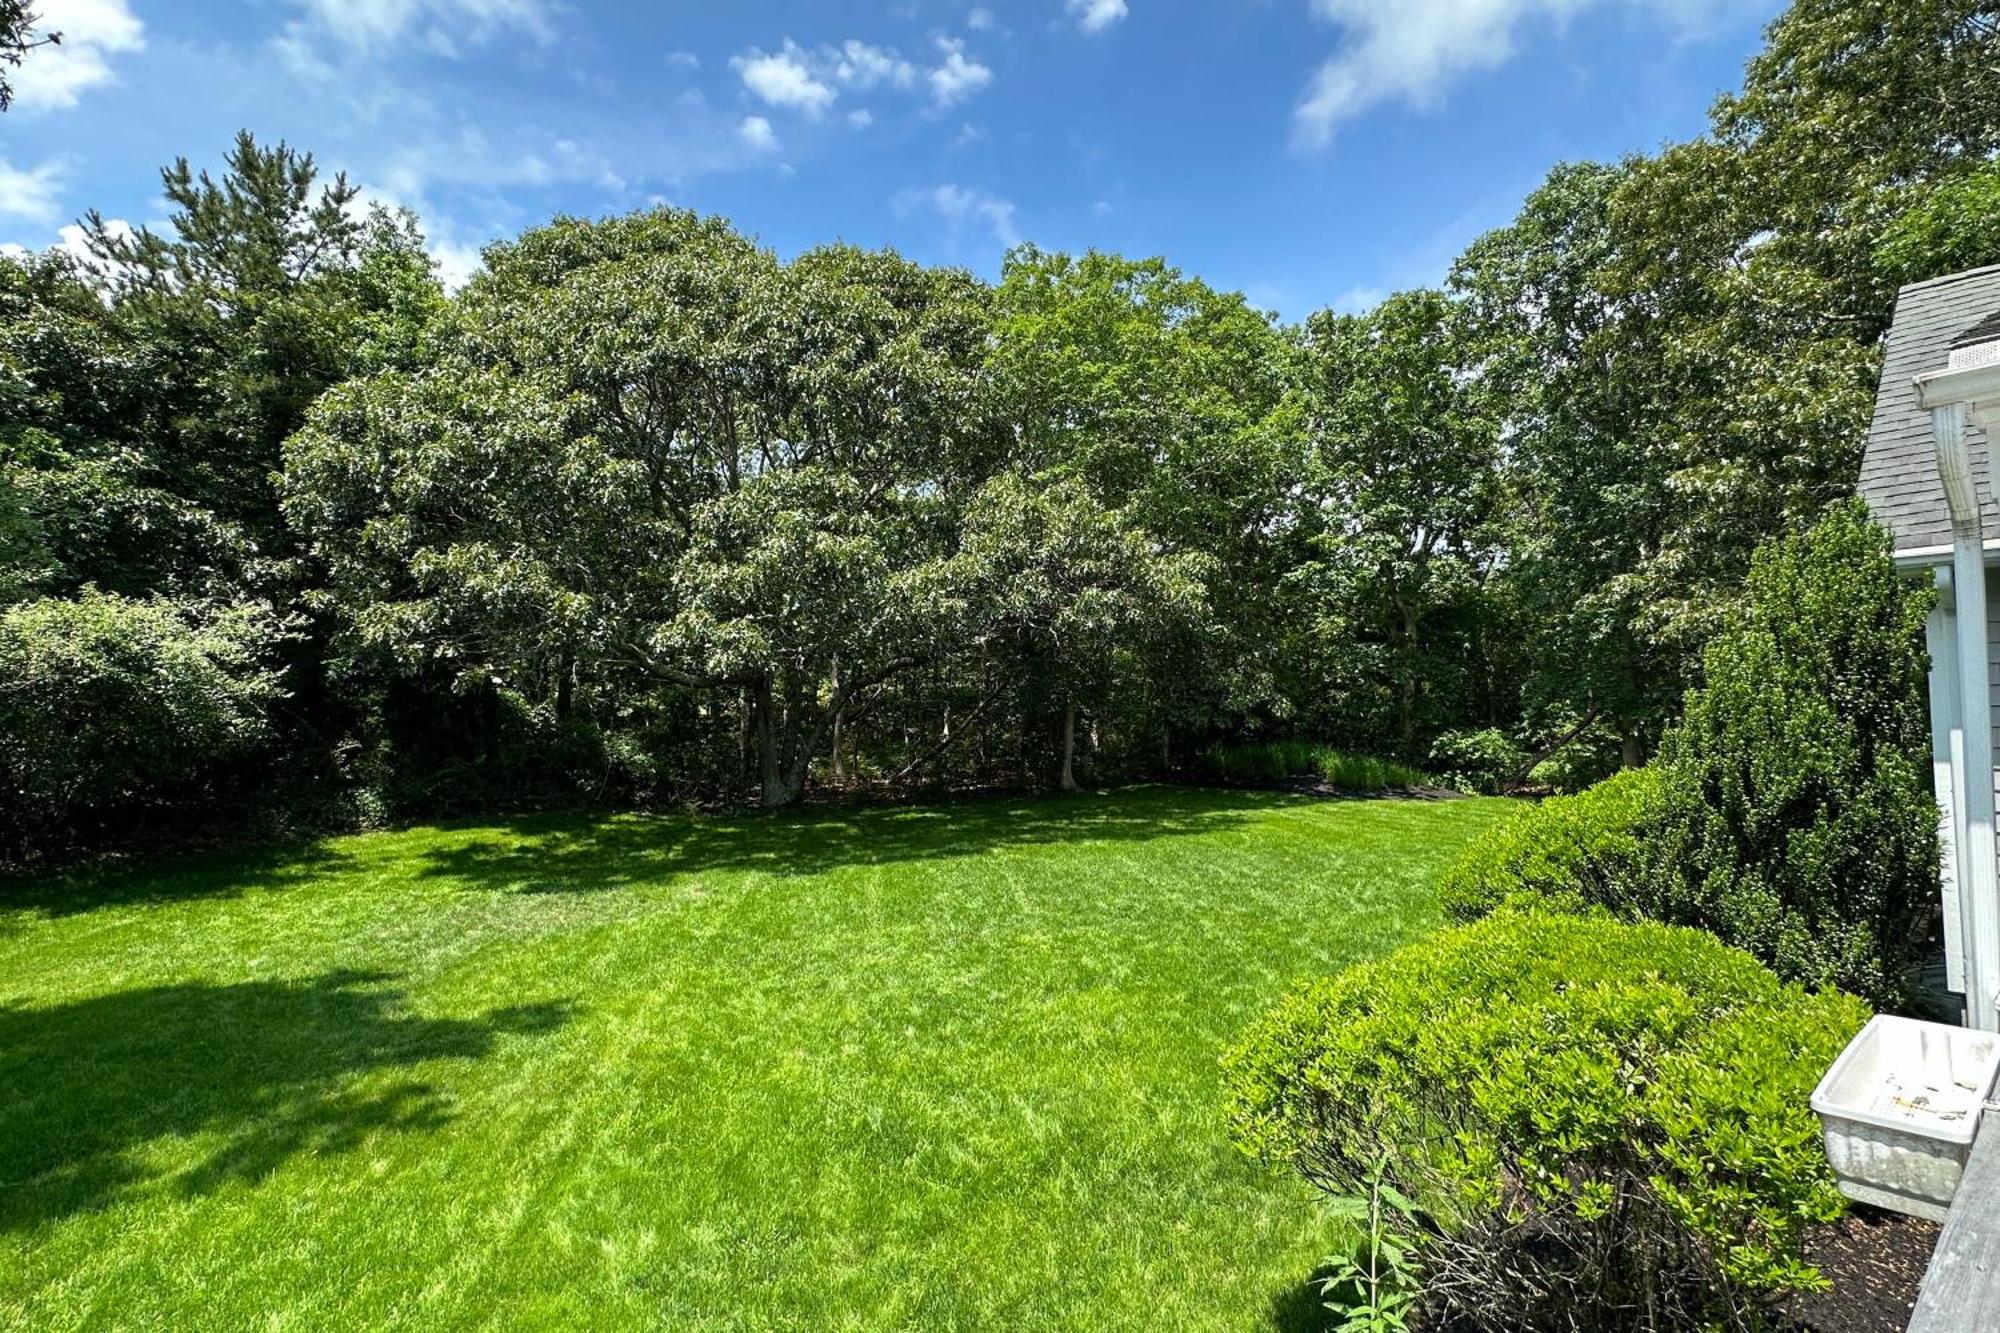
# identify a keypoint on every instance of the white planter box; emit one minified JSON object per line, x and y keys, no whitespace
{"x":1900,"y":1107}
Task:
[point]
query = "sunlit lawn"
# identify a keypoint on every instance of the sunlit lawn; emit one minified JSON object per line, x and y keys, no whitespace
{"x":941,"y":1068}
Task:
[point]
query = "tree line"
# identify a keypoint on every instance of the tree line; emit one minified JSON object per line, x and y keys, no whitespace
{"x":647,"y":513}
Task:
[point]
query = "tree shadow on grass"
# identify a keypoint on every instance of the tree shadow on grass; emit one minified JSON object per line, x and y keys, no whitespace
{"x":163,"y":878}
{"x":573,"y":854}
{"x":265,"y":1064}
{"x":1300,"y":1307}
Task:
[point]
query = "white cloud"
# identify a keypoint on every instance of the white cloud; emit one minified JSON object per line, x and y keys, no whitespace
{"x":53,"y":77}
{"x":784,"y":78}
{"x":860,"y":65}
{"x":958,"y":77}
{"x":980,"y":20}
{"x":861,"y":119}
{"x":1097,"y":15}
{"x":440,"y":27}
{"x":756,"y":131}
{"x":1409,"y":50}
{"x":29,"y":193}
{"x":1359,"y":300}
{"x":683,"y":60}
{"x":959,"y":205}
{"x":70,"y":241}
{"x":456,"y":263}
{"x":811,"y":81}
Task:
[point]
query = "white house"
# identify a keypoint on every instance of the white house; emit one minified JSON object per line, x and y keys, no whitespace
{"x":1928,"y":476}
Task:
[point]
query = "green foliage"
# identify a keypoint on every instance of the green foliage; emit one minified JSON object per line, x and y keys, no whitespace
{"x":1175,"y":406}
{"x":1481,"y":761}
{"x":1954,"y":227}
{"x":660,"y":515}
{"x":649,"y":457}
{"x":1374,"y":1288}
{"x":1796,"y":817}
{"x":1590,"y":497}
{"x":1403,"y":481}
{"x":110,"y":707}
{"x":1278,"y":761}
{"x":1077,"y":593}
{"x":1585,"y":1110}
{"x":1568,"y":852}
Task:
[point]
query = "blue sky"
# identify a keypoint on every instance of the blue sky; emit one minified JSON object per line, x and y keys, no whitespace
{"x":1307,"y":152}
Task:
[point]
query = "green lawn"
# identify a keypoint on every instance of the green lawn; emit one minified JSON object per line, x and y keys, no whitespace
{"x":940,"y":1068}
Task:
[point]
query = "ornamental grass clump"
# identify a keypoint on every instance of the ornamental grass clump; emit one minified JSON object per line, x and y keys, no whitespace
{"x":1603,"y":1125}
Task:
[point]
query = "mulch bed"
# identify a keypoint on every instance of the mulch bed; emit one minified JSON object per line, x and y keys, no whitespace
{"x":1308,"y":786}
{"x":1875,"y":1260}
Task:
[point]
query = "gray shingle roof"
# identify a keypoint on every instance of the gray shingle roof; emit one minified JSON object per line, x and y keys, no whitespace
{"x":1898,"y":474}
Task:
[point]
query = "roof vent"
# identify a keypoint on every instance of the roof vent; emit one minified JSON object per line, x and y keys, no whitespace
{"x":1978,"y":346}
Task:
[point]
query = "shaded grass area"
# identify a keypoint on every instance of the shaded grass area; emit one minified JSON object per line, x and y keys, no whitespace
{"x":946,"y":1067}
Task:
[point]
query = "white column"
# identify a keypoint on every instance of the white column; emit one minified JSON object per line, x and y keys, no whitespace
{"x":1979,"y":873}
{"x":1947,"y":763}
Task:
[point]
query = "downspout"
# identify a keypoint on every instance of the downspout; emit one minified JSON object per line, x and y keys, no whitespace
{"x":1978,"y":866}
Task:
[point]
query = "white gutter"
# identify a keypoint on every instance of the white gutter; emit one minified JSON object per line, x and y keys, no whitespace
{"x":1926,"y":557}
{"x":1948,"y":394}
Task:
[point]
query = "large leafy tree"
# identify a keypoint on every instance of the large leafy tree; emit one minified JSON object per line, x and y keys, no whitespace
{"x":81,"y":417}
{"x":647,"y":449}
{"x":1402,"y":489}
{"x":1170,"y":403}
{"x":1071,"y":592}
{"x":263,"y":285}
{"x":1587,"y":503}
{"x":1853,"y":111}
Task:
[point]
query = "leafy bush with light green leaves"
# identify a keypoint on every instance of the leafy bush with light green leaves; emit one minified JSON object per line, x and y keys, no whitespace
{"x":1278,"y":761}
{"x":1477,"y":761}
{"x":111,"y":705}
{"x":1595,"y":1118}
{"x":1569,"y":852}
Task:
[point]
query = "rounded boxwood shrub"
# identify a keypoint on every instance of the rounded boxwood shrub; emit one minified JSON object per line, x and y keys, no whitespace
{"x":1604,"y":1125}
{"x":1570,"y":852}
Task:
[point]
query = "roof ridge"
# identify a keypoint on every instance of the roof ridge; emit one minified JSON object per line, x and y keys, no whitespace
{"x":1945,"y":279}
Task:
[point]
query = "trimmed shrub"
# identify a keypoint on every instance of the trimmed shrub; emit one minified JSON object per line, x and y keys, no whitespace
{"x":110,"y":706}
{"x":1569,"y":852}
{"x":1796,"y":816}
{"x":1603,"y":1125}
{"x":1279,"y":761}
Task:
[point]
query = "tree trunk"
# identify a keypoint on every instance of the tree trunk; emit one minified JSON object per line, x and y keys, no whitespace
{"x":839,"y":717}
{"x":1629,"y":752}
{"x":566,"y":684}
{"x":1406,"y":691}
{"x":1069,"y":747}
{"x":775,"y":786}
